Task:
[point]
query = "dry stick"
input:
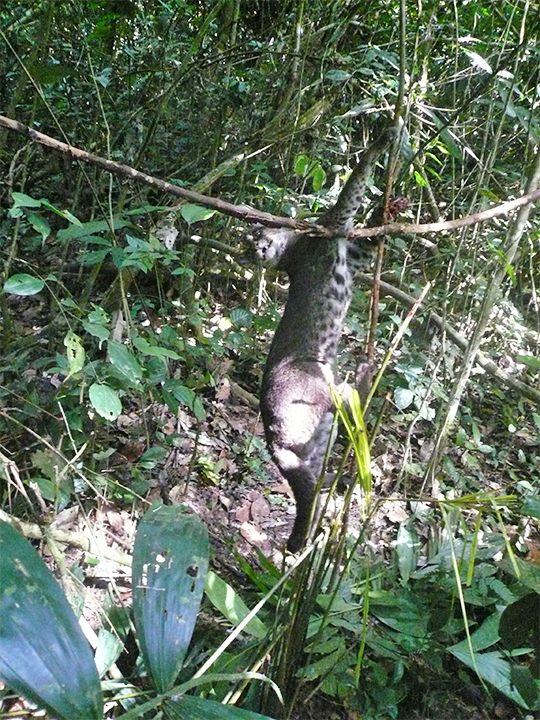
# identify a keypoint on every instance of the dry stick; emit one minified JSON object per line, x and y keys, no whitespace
{"x":76,"y":539}
{"x":127,"y":172}
{"x":251,"y":215}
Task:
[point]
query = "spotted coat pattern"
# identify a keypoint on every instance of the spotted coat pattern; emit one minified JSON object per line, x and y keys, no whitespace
{"x":296,"y":404}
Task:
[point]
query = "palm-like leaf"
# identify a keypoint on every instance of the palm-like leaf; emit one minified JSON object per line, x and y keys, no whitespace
{"x":170,"y":562}
{"x":43,"y":652}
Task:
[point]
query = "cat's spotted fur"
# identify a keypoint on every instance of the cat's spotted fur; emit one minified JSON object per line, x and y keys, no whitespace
{"x":296,"y":404}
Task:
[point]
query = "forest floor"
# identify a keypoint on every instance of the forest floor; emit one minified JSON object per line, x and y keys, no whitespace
{"x":246,"y":512}
{"x":218,"y":467}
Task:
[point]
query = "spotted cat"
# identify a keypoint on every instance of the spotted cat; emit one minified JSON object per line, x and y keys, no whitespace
{"x":296,"y":404}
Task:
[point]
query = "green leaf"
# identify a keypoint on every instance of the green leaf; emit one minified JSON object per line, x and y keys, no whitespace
{"x":43,"y":652}
{"x":337,"y":76}
{"x":403,"y":397}
{"x":150,"y":458}
{"x":186,"y":396}
{"x":195,"y":213}
{"x":230,"y":604}
{"x":105,"y":401}
{"x":526,"y":685}
{"x":407,"y":547}
{"x":526,"y":572}
{"x":520,"y":623}
{"x":170,"y":562}
{"x":195,"y":708}
{"x":75,"y":353}
{"x":400,"y":610}
{"x":323,"y":665}
{"x":495,"y":669}
{"x":124,"y":361}
{"x":39,"y":224}
{"x":23,"y":284}
{"x":301,"y":165}
{"x":97,"y":330}
{"x":22,"y":200}
{"x":419,"y":179}
{"x":155,"y":350}
{"x":318,"y":177}
{"x":108,"y":650}
{"x":529,"y":360}
{"x":76,"y":231}
{"x":531,"y":507}
{"x":241,"y":317}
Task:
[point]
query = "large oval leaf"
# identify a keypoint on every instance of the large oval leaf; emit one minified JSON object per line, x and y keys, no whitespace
{"x":105,"y":401}
{"x":23,"y":284}
{"x":43,"y":652}
{"x":170,"y":562}
{"x":124,"y":361}
{"x":195,"y":213}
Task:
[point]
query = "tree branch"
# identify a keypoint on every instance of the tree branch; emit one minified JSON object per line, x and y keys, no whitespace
{"x":242,"y":212}
{"x":80,"y":540}
{"x":250,"y":215}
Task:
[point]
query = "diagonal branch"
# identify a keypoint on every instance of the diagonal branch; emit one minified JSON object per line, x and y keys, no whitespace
{"x":250,"y":215}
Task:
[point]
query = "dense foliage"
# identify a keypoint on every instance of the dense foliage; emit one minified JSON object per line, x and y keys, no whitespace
{"x":132,"y":324}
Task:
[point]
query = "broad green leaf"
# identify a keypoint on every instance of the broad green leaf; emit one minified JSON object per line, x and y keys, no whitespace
{"x":124,"y":361}
{"x":39,"y":224}
{"x":407,"y":547}
{"x":318,"y":177}
{"x":105,"y":401}
{"x":155,"y":350}
{"x":403,"y":397}
{"x":22,"y":200}
{"x":230,"y":604}
{"x":150,"y":458}
{"x":241,"y":317}
{"x":531,"y":507}
{"x":54,"y":467}
{"x":526,"y":684}
{"x":530,"y":360}
{"x":400,"y":610}
{"x":323,"y":665}
{"x":526,"y":572}
{"x":520,"y":623}
{"x":337,"y":76}
{"x":23,"y":284}
{"x":301,"y":165}
{"x":94,"y":257}
{"x":496,"y":669}
{"x":189,"y":707}
{"x":108,"y":650}
{"x":195,"y":213}
{"x":90,"y":228}
{"x":170,"y":562}
{"x":186,"y":396}
{"x":74,"y":352}
{"x":43,"y":652}
{"x":97,"y":330}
